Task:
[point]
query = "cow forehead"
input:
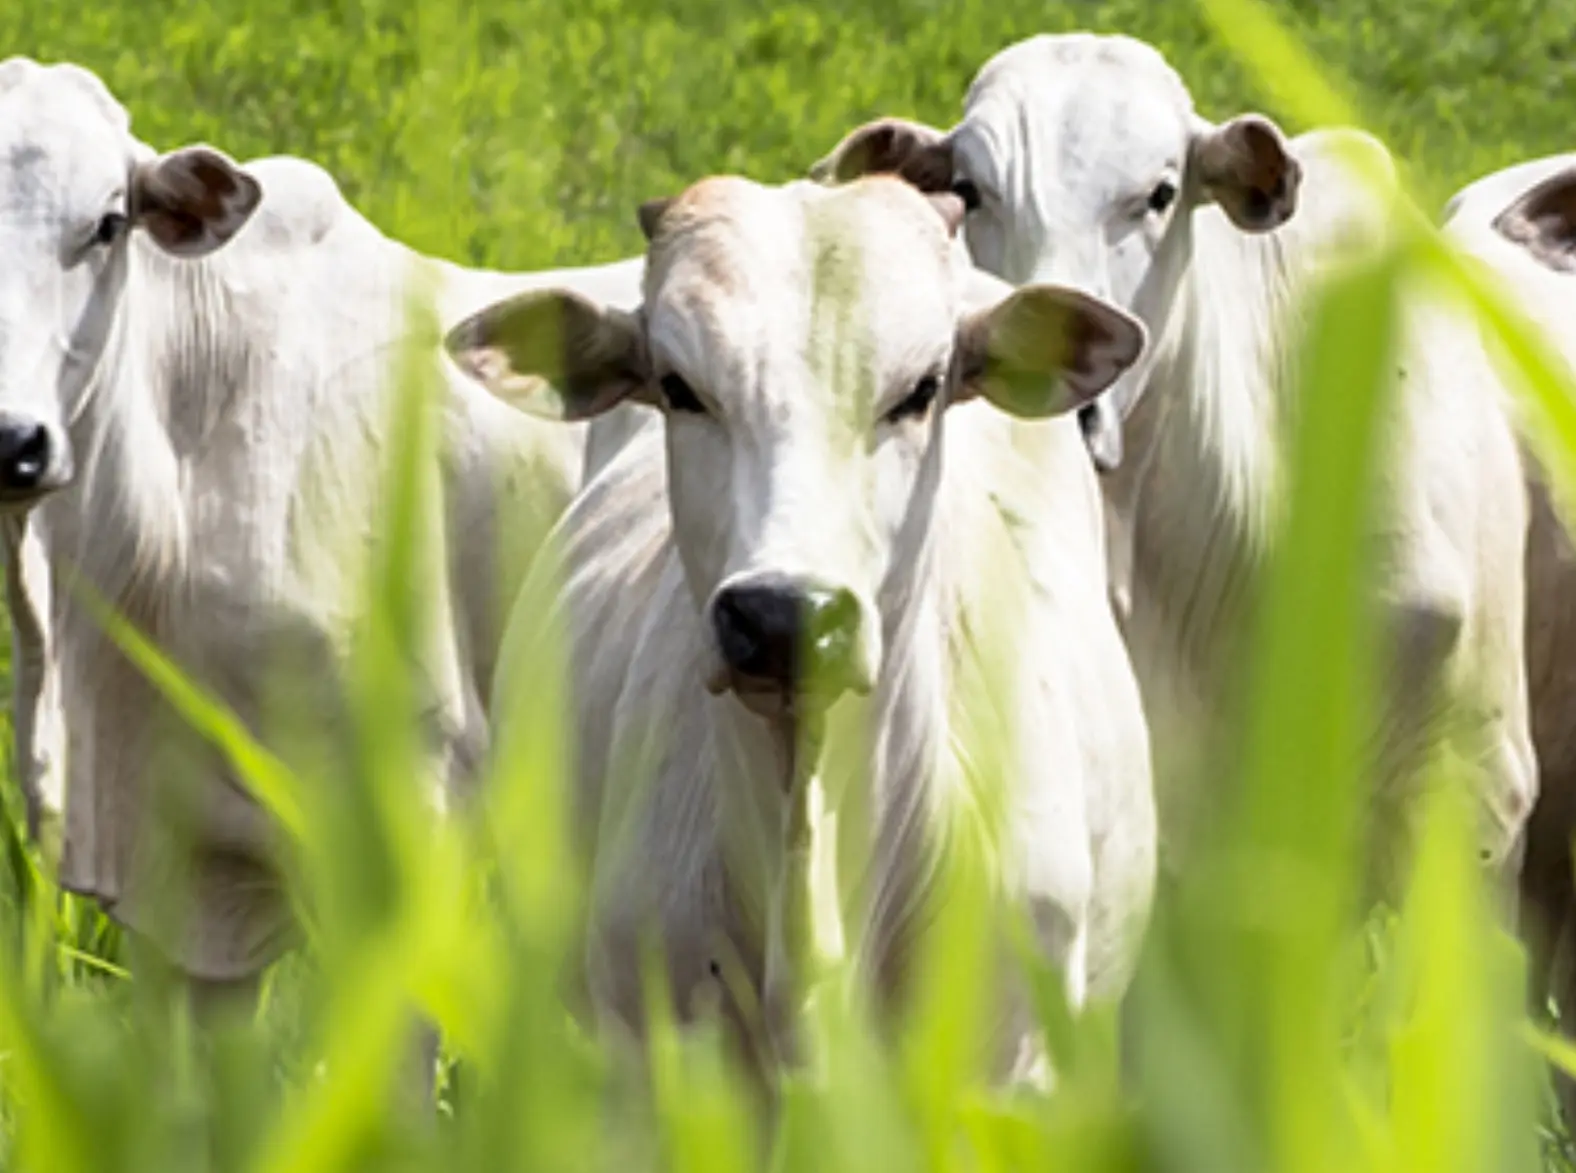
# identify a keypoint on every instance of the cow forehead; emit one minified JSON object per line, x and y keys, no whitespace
{"x":1114,"y":60}
{"x":60,"y":93}
{"x":1103,"y":101}
{"x":758,"y":264}
{"x":59,"y":132}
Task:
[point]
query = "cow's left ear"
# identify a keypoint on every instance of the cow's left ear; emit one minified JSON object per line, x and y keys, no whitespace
{"x":1542,"y":220}
{"x":916,"y":153}
{"x":1246,"y":166}
{"x":192,"y":200}
{"x":1045,"y":350}
{"x":553,"y":353}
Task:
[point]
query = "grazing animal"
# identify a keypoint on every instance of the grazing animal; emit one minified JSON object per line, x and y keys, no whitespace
{"x":194,"y":382}
{"x":838,"y":507}
{"x":1521,"y":223}
{"x":1084,"y":162}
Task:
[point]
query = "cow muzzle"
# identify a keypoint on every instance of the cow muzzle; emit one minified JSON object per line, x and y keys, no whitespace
{"x":34,"y":461}
{"x":785,"y":643}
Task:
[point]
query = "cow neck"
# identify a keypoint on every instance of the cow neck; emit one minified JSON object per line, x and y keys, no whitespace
{"x":1203,"y":502}
{"x":131,"y":529}
{"x":910,"y":779}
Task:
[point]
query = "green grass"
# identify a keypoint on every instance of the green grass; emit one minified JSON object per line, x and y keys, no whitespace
{"x":550,"y":120}
{"x":521,"y":133}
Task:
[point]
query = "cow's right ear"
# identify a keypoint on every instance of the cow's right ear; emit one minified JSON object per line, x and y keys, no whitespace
{"x":553,"y":353}
{"x":1543,"y":221}
{"x":192,"y":200}
{"x":1247,"y":167}
{"x":919,"y":154}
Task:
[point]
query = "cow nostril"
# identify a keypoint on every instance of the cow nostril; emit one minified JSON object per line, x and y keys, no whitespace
{"x":759,"y":627}
{"x":24,"y":455}
{"x":738,"y":636}
{"x":33,"y":455}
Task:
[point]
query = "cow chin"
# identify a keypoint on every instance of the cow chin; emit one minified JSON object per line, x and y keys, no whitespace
{"x":769,"y":699}
{"x":20,"y":500}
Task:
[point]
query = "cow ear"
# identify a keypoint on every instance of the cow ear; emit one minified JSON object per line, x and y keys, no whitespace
{"x":192,"y":200}
{"x":553,"y":353}
{"x":1246,"y":166}
{"x":650,"y":214}
{"x":919,"y":154}
{"x":1100,"y":421}
{"x":1543,"y":221}
{"x":1045,"y":350}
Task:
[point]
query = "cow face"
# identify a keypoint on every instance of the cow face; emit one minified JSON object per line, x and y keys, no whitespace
{"x":1077,"y":155}
{"x":803,"y":343}
{"x":74,"y":187}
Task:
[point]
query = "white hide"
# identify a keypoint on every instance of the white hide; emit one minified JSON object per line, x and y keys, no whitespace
{"x":718,"y":853}
{"x":1469,"y":214}
{"x":220,"y":423}
{"x":1094,"y":170}
{"x":1546,"y":297}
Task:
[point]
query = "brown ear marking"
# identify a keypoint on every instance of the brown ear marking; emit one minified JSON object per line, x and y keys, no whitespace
{"x":553,"y":353}
{"x":918,"y":154}
{"x":192,"y":200}
{"x":650,"y":216}
{"x":1542,"y":220}
{"x":1246,"y":166}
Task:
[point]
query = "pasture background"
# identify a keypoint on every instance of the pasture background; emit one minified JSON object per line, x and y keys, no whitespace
{"x":522,"y":134}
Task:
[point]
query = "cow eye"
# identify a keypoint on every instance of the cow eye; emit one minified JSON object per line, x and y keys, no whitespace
{"x":679,"y":395}
{"x":1160,"y":199}
{"x":917,"y":402}
{"x":966,"y":191}
{"x":109,"y":228}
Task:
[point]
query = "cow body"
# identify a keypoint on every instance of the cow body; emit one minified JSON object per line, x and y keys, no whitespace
{"x":1212,"y":432}
{"x":1520,"y":223}
{"x":217,"y":434}
{"x":1086,"y":164}
{"x":1082,"y":763}
{"x":702,"y":813}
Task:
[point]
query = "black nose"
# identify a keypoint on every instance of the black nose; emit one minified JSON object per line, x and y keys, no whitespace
{"x":24,"y":454}
{"x":775,"y":629}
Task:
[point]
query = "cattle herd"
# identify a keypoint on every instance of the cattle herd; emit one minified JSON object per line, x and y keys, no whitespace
{"x":984,"y":431}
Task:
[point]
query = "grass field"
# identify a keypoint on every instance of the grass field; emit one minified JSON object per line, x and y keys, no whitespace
{"x":523,"y":133}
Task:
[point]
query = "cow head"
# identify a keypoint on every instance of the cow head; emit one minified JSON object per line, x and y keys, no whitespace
{"x":1078,"y":156}
{"x":803,"y":343}
{"x":1542,"y":220}
{"x":74,"y":188}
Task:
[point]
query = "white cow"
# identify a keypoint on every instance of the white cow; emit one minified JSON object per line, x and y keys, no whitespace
{"x":1085,"y":163}
{"x":816,"y":519}
{"x":194,"y":377}
{"x":1522,"y":223}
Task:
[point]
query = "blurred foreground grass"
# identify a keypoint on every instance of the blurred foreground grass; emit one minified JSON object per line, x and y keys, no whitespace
{"x":521,"y":133}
